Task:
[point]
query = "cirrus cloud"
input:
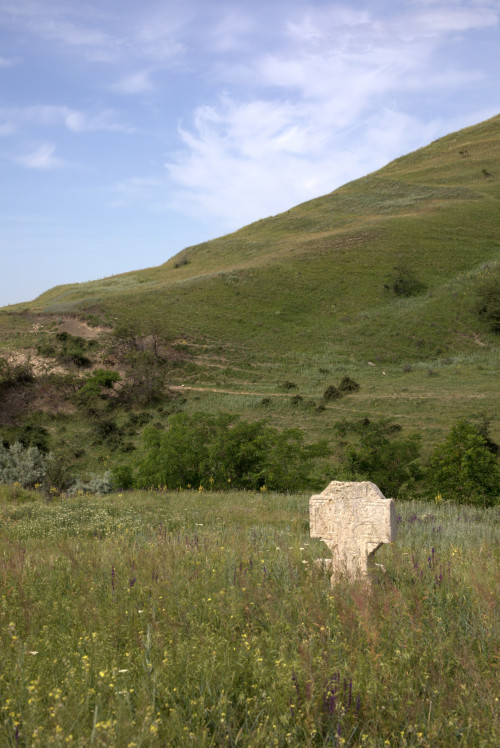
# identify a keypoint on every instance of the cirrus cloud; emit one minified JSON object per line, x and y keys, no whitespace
{"x":42,"y":157}
{"x":337,"y":97}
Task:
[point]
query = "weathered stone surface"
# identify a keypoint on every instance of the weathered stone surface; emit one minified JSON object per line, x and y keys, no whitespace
{"x":354,"y":520}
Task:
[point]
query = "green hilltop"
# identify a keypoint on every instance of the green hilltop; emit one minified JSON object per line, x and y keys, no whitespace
{"x":379,"y":280}
{"x":313,"y":278}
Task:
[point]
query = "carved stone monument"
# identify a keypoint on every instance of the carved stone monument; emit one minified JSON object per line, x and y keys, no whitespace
{"x":354,"y":520}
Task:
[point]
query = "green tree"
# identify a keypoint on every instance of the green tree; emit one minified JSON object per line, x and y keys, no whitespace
{"x":374,"y":450}
{"x":224,"y":452}
{"x":464,"y":469}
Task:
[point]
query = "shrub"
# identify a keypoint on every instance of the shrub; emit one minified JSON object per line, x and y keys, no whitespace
{"x":224,"y":452}
{"x":45,"y":348}
{"x":29,"y":435}
{"x":58,"y":472}
{"x":14,"y":374}
{"x":73,"y":349}
{"x":403,"y":282}
{"x":145,"y":383}
{"x":101,"y":484}
{"x":23,"y":465}
{"x":348,"y":385}
{"x":488,"y":300}
{"x":107,"y":430}
{"x":96,"y":390}
{"x":380,"y":455}
{"x":122,"y":477}
{"x":331,"y":393}
{"x":105,"y":378}
{"x":464,"y":469}
{"x":14,"y":493}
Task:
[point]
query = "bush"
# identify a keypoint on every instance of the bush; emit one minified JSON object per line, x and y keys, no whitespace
{"x":488,"y":300}
{"x":14,"y":493}
{"x":14,"y":374}
{"x":403,"y":282}
{"x":29,"y":435}
{"x":348,"y":385}
{"x":24,"y":465}
{"x":224,"y":452}
{"x":34,"y":435}
{"x":464,"y":469}
{"x":381,"y":456}
{"x":58,"y":472}
{"x":122,"y":477}
{"x":96,"y":390}
{"x":74,"y":350}
{"x":101,"y":484}
{"x":146,"y":374}
{"x":107,"y":430}
{"x":331,"y":393}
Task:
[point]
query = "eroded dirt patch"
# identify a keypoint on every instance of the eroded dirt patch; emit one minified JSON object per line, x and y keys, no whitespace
{"x":39,"y":364}
{"x":80,"y":328}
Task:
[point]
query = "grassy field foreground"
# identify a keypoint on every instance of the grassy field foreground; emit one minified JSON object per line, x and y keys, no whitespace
{"x":187,"y":619}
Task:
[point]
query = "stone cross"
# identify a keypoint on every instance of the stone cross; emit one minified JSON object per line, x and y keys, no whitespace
{"x":354,"y":520}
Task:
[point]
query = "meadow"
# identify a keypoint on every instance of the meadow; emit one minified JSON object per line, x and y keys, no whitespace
{"x":200,"y":619}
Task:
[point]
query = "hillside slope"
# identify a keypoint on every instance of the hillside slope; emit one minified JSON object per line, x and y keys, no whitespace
{"x":378,"y":280}
{"x":315,"y":276}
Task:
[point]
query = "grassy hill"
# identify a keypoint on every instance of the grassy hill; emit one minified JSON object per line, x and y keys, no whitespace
{"x":378,"y":280}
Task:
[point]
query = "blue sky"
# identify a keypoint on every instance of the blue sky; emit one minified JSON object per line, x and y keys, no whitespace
{"x":130,"y":130}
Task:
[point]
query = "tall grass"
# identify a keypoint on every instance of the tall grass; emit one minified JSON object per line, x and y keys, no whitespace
{"x":200,"y":619}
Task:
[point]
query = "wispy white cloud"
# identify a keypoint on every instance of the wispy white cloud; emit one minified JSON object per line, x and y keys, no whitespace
{"x":158,"y":34}
{"x":73,"y":119}
{"x":327,"y":106}
{"x":6,"y":128}
{"x":230,"y":31}
{"x":440,"y":17}
{"x":243,"y":162}
{"x":102,"y":121}
{"x":135,"y":83}
{"x":103,"y":34}
{"x":41,"y":158}
{"x":64,"y":23}
{"x":6,"y":62}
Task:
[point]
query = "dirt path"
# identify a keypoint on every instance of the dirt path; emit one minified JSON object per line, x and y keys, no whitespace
{"x":180,"y":387}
